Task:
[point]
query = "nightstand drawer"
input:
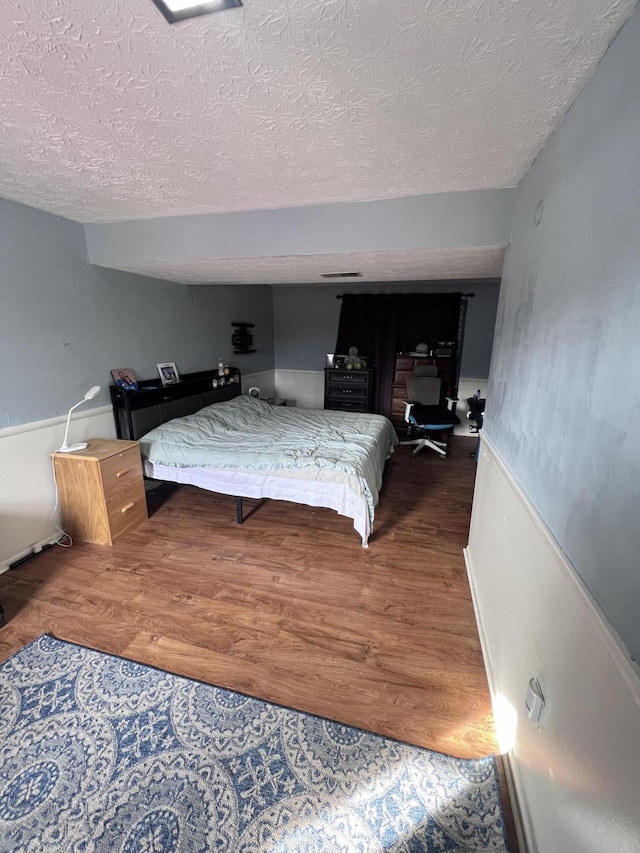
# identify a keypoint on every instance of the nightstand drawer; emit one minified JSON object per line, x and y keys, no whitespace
{"x":119,"y":471}
{"x":128,"y":515}
{"x":119,"y":497}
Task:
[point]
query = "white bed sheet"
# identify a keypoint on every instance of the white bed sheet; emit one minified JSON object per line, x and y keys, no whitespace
{"x":335,"y":490}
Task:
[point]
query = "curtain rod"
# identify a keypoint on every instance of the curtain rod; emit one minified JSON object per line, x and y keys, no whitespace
{"x":435,"y":293}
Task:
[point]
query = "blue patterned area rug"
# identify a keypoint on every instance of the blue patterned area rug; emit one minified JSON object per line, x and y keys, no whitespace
{"x":99,"y":754}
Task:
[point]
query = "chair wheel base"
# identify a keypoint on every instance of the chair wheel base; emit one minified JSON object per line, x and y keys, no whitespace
{"x":440,"y":447}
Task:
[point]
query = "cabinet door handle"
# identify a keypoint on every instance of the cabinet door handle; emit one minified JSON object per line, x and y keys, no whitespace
{"x":127,"y":507}
{"x":123,"y":472}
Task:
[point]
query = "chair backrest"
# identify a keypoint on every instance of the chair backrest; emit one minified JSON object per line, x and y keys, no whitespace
{"x":425,"y":370}
{"x":424,"y":390}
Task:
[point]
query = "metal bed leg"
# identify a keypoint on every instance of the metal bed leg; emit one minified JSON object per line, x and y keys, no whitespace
{"x":239,"y":518}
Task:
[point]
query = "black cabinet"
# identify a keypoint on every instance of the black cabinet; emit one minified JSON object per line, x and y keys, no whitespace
{"x":138,"y":412}
{"x":348,"y":390}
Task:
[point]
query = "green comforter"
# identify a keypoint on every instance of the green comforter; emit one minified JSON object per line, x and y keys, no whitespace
{"x":249,"y":434}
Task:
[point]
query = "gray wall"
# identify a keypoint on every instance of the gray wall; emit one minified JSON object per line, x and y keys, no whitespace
{"x":474,"y":218}
{"x":306,"y":320}
{"x":564,"y":395}
{"x":65,"y":324}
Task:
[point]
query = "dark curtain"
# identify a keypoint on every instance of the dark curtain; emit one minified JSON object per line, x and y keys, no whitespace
{"x":381,"y":325}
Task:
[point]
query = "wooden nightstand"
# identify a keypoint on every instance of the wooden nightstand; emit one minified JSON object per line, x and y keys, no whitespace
{"x":101,"y":490}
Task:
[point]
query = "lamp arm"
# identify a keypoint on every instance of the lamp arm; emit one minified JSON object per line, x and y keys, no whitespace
{"x":66,"y":432}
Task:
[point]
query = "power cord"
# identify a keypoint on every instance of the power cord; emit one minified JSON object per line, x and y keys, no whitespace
{"x":63,"y":533}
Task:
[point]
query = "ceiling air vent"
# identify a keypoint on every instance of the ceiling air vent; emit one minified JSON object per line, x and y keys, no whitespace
{"x":340,"y":275}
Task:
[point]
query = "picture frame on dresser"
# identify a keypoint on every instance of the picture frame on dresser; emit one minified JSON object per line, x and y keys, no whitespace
{"x":138,"y":412}
{"x":125,"y":378}
{"x":168,"y":373}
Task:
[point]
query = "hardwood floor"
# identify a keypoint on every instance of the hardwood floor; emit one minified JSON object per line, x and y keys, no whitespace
{"x":289,"y":607}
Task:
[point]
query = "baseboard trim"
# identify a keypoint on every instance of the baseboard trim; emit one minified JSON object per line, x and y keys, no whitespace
{"x":31,"y":551}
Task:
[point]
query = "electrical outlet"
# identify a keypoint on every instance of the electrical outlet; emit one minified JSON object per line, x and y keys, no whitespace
{"x":534,"y":701}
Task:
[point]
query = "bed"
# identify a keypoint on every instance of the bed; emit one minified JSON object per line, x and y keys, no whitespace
{"x":320,"y":458}
{"x":248,"y":448}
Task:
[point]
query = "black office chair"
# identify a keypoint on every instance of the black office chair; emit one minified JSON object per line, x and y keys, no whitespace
{"x":424,"y":413}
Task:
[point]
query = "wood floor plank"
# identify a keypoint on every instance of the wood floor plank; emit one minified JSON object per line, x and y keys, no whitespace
{"x":457,"y":720}
{"x":288,"y":606}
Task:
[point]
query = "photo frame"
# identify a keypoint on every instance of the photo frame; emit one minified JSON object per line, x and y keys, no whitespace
{"x":125,"y":378}
{"x":168,"y":373}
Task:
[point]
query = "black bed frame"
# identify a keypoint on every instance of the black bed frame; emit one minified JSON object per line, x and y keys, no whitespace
{"x":138,"y":412}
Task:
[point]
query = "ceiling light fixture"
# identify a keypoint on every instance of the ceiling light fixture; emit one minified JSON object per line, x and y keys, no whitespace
{"x":340,"y":275}
{"x":179,"y":10}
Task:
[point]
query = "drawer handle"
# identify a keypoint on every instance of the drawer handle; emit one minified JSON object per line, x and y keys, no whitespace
{"x":127,"y":507}
{"x":123,"y":472}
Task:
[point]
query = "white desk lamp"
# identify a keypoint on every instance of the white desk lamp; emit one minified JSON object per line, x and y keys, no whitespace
{"x":69,"y":448}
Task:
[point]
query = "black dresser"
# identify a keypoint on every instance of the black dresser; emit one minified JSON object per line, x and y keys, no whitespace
{"x":348,"y":390}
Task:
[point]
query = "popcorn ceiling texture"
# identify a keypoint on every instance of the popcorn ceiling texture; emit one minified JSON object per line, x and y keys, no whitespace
{"x":108,"y":113}
{"x":464,"y":262}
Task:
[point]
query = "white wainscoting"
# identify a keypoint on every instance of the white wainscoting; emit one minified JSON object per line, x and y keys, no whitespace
{"x":304,"y":388}
{"x":577,"y":776}
{"x":264,"y":380}
{"x":27,"y":490}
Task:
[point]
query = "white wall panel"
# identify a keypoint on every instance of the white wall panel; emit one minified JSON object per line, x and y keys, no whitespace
{"x":577,"y":776}
{"x":304,"y":388}
{"x":27,"y":490}
{"x":264,"y":380}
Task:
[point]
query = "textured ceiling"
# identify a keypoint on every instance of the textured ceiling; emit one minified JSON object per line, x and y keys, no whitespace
{"x":463,"y":262}
{"x":109,"y":113}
